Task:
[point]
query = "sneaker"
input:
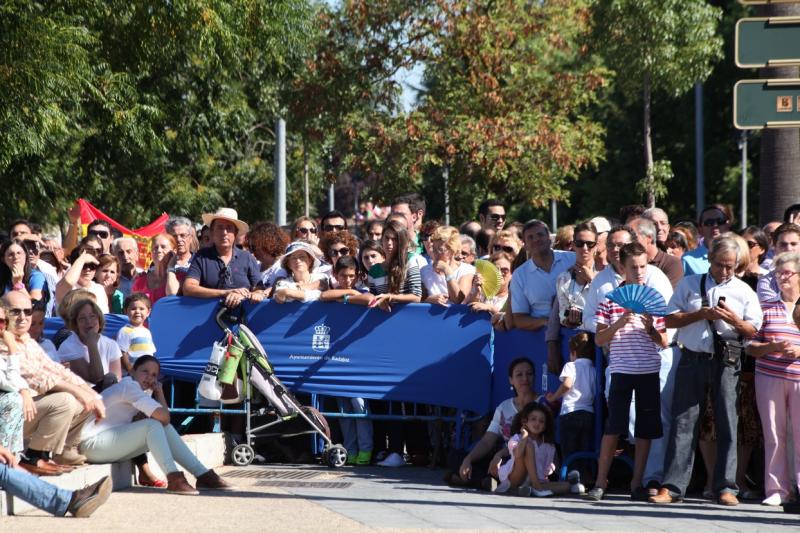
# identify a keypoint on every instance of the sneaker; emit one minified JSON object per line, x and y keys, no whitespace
{"x":394,"y":460}
{"x":351,"y":459}
{"x":503,"y":487}
{"x":177,"y":484}
{"x":640,"y":494}
{"x":577,"y":488}
{"x":750,"y":494}
{"x":652,"y":487}
{"x":772,"y":501}
{"x":527,"y":490}
{"x":489,"y":484}
{"x":708,"y":494}
{"x":211,"y":481}
{"x":595,"y":495}
{"x":728,"y":498}
{"x":575,"y":485}
{"x":381,"y":455}
{"x":363,"y":458}
{"x":85,"y":501}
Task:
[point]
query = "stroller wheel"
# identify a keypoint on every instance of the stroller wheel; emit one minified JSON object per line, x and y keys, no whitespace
{"x":242,"y":455}
{"x":335,"y":456}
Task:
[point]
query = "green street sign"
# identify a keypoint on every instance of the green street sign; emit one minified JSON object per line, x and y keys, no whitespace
{"x":759,"y":104}
{"x":767,"y":42}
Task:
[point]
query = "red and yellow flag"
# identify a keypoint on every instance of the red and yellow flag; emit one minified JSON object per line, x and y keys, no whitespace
{"x":142,"y":235}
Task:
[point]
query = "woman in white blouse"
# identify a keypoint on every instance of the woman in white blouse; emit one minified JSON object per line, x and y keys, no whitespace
{"x":116,"y":438}
{"x":93,"y":356}
{"x":446,"y":281}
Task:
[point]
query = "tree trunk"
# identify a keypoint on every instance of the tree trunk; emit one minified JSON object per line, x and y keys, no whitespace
{"x":779,"y":172}
{"x":648,"y":142}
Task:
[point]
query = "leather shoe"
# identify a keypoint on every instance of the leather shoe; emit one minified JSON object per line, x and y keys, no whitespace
{"x":41,"y":468}
{"x":664,"y":496}
{"x":70,"y":457}
{"x":727,"y":498}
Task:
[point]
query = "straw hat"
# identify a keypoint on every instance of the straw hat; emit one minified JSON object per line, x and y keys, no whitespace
{"x":229,"y":215}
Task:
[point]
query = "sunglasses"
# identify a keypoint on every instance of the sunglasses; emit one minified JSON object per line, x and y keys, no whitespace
{"x":508,"y":249}
{"x":103,"y":234}
{"x":89,"y":266}
{"x":497,"y":216}
{"x":15,"y":311}
{"x":710,"y":222}
{"x":93,"y":251}
{"x":751,"y":244}
{"x":333,"y":227}
{"x":580,"y":244}
{"x":339,"y":251}
{"x":32,"y":247}
{"x":306,"y":231}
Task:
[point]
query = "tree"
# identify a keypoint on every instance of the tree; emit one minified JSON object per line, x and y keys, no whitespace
{"x":780,"y":149}
{"x":507,"y":89}
{"x":658,"y":46}
{"x":155,"y":105}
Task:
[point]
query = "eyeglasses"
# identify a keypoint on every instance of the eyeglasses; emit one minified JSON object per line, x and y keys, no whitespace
{"x":16,"y":311}
{"x":333,"y":227}
{"x":508,"y":249}
{"x":89,"y":266}
{"x":101,"y":233}
{"x":614,"y":245}
{"x":751,"y":244}
{"x":306,"y":231}
{"x":497,"y":216}
{"x":711,"y":222}
{"x":339,"y":251}
{"x":577,"y":243}
{"x":425,"y":237}
{"x":505,"y":271}
{"x":93,"y":251}
{"x":785,"y":274}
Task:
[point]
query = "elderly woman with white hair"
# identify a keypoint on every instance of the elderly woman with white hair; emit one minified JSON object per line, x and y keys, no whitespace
{"x":714,"y":314}
{"x":776,"y":349}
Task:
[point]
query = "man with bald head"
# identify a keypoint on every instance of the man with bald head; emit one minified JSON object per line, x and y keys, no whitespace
{"x":63,"y":401}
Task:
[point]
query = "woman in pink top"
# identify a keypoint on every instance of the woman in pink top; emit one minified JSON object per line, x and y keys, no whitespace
{"x":776,"y":348}
{"x":154,"y":282}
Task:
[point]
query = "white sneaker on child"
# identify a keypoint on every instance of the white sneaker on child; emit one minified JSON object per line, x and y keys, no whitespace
{"x":503,"y":487}
{"x":538,"y":493}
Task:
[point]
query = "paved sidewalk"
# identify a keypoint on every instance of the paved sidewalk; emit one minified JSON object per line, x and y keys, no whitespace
{"x":310,"y":498}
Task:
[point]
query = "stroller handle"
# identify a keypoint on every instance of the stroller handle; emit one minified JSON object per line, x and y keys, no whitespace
{"x":224,"y":318}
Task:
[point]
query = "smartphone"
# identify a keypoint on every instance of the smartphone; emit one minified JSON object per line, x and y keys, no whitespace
{"x":720,"y":299}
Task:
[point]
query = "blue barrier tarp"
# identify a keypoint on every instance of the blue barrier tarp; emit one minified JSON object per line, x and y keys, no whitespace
{"x":428,"y":354}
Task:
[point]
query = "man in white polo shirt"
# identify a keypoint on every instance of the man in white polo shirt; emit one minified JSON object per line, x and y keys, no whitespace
{"x":533,"y":285}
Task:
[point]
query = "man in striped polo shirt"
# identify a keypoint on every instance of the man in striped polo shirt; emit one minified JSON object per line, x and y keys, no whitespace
{"x":634,"y":342}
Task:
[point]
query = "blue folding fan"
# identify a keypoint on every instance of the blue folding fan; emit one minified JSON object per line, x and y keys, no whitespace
{"x":639,"y":299}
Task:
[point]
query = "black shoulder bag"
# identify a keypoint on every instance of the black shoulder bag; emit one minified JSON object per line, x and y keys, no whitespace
{"x":729,"y":351}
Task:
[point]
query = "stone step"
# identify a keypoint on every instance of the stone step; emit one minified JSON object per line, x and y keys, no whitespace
{"x":209,"y":449}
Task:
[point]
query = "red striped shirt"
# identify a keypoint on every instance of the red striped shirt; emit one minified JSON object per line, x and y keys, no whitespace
{"x":631,"y":350}
{"x":778,"y":326}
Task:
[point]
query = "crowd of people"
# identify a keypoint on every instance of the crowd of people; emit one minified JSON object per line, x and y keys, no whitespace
{"x":719,"y":372}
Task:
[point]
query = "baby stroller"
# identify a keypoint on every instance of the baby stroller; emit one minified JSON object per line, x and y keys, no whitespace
{"x":244,"y":355}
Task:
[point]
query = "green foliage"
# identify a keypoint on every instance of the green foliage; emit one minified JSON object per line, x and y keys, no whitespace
{"x":147,"y":106}
{"x":656,"y":181}
{"x":673,"y":41}
{"x":505,"y":106}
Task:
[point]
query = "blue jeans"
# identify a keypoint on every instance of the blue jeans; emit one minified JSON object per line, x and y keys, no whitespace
{"x":34,"y":491}
{"x":357,"y":434}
